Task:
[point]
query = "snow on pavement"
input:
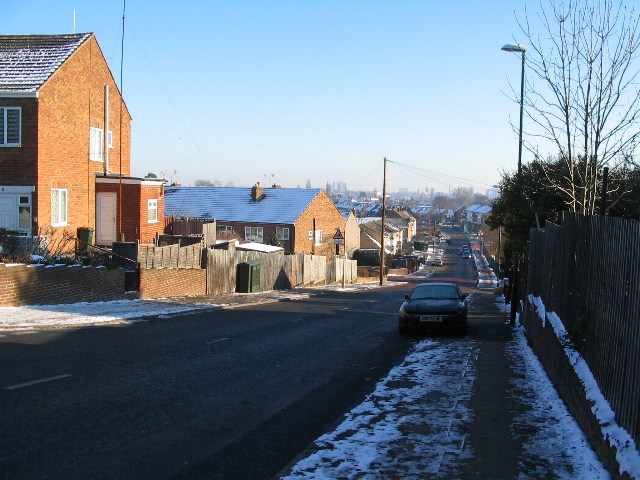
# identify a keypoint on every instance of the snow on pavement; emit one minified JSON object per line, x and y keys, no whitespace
{"x":414,"y":422}
{"x":395,"y":430}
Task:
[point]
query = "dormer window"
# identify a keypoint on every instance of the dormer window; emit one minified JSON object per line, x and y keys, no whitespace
{"x":10,"y":126}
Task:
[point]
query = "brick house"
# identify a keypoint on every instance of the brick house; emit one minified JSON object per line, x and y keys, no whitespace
{"x":302,"y":220}
{"x":65,"y":137}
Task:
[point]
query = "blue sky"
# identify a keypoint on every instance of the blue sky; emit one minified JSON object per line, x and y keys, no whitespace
{"x":238,"y":91}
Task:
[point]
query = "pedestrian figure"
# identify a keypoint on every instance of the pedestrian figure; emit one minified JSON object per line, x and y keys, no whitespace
{"x":507,"y":291}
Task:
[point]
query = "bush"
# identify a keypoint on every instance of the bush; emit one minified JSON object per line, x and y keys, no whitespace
{"x":371,"y":258}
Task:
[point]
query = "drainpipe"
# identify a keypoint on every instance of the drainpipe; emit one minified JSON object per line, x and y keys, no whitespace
{"x":106,"y":130}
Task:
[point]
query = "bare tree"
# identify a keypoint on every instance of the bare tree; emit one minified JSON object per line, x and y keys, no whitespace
{"x":584,"y":95}
{"x":207,"y":183}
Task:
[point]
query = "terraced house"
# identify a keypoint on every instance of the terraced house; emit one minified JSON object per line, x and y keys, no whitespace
{"x":65,"y":136}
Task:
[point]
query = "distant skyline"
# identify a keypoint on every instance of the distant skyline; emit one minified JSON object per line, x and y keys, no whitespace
{"x":290,"y":91}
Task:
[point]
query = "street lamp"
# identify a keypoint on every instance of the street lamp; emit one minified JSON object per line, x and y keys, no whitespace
{"x":519,"y":48}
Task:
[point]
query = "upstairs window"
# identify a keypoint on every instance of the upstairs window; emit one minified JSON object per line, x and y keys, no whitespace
{"x":59,"y":207}
{"x":96,"y":144}
{"x":282,"y":233}
{"x":152,"y":209}
{"x":253,"y":234}
{"x":10,"y":126}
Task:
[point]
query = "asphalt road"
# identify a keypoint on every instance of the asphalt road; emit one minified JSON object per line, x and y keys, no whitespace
{"x":222,"y":394}
{"x":195,"y":395}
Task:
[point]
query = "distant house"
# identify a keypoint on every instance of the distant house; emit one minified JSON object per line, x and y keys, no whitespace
{"x":351,"y":232}
{"x":371,"y":235}
{"x":474,"y":216}
{"x":403,"y":219}
{"x":299,"y":220}
{"x":65,"y":136}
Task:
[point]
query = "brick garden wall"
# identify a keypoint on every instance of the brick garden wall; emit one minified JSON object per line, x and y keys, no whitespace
{"x":45,"y":285}
{"x":172,"y":282}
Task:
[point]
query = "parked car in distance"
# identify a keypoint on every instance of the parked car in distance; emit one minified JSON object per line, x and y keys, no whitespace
{"x":436,"y":261}
{"x":437,"y":306}
{"x":466,"y":254}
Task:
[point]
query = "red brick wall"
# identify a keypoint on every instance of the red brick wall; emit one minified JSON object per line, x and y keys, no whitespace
{"x":268,"y":230}
{"x":135,"y":214}
{"x":148,"y":230}
{"x":70,"y":102}
{"x":172,"y":282}
{"x":40,"y":285}
{"x":327,"y":218}
{"x":18,"y":164}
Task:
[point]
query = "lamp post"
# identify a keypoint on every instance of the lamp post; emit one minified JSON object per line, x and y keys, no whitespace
{"x":522,"y":49}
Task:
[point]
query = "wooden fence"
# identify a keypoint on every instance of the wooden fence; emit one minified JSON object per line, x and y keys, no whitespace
{"x":588,"y":272}
{"x":171,"y":256}
{"x":338,"y":267}
{"x":281,"y":272}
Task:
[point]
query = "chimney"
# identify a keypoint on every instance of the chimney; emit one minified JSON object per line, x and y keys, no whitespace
{"x":256,"y":192}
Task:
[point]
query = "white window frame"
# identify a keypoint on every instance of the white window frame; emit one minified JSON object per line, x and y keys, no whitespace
{"x":282,"y":233}
{"x":5,"y":126}
{"x":59,"y":217}
{"x":96,"y":144}
{"x":24,"y":204}
{"x":254,"y":234}
{"x":224,"y":229}
{"x":317,"y":237}
{"x":152,"y":210}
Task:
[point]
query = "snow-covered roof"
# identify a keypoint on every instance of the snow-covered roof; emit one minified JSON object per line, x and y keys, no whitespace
{"x":344,"y":205}
{"x":235,"y":204}
{"x":259,"y":247}
{"x":477,"y":208}
{"x":27,"y":61}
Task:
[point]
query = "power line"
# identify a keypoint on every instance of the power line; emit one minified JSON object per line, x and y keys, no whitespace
{"x":440,"y":178}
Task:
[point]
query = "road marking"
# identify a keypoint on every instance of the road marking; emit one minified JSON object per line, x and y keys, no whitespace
{"x":211,"y":342}
{"x":42,"y":380}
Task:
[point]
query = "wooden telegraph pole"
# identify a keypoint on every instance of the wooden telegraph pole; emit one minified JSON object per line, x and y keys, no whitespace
{"x":384,"y":206}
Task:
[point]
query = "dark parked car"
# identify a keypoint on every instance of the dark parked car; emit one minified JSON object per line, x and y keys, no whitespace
{"x":440,"y":306}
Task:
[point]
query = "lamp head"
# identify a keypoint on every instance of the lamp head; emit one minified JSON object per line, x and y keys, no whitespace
{"x":509,"y":47}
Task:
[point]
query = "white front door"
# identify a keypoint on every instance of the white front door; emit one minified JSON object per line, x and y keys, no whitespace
{"x":106,"y":208}
{"x":9,"y":212}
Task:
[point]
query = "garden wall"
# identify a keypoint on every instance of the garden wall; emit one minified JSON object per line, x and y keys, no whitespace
{"x":49,"y":285}
{"x":172,"y":282}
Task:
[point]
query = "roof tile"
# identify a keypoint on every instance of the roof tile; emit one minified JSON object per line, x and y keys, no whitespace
{"x":27,"y":61}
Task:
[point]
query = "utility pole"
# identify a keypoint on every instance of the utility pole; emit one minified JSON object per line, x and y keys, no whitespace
{"x":384,"y":206}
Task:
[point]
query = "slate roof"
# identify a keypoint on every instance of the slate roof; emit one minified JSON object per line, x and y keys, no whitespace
{"x":477,"y":208}
{"x":234,"y":204}
{"x":27,"y":61}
